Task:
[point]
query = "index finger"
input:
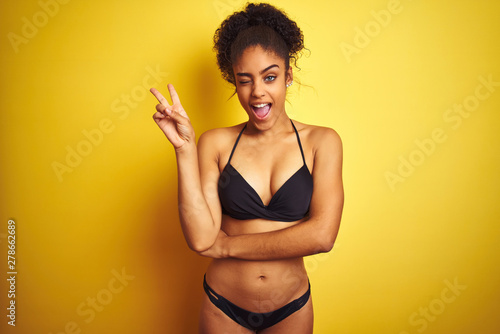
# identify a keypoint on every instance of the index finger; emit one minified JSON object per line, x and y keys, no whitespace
{"x":159,"y":97}
{"x":173,"y":94}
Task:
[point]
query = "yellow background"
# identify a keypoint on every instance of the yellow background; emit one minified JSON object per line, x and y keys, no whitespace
{"x":399,"y":243}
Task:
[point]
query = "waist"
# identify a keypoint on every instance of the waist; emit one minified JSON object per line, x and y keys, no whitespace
{"x":258,"y":286}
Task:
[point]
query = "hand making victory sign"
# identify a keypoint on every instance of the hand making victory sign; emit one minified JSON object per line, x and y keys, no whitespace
{"x":172,"y":119}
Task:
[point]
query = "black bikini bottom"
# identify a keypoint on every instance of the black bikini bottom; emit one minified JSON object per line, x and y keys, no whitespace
{"x":251,"y":320}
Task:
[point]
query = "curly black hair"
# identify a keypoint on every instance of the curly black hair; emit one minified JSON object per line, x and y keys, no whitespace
{"x":258,"y":24}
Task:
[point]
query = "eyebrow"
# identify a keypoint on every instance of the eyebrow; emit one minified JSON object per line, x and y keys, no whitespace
{"x":264,"y":70}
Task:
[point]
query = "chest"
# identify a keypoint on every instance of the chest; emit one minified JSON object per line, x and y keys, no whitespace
{"x":267,"y":168}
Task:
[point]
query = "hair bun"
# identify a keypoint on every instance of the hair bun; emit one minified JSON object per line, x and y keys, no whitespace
{"x":255,"y":21}
{"x":256,"y":14}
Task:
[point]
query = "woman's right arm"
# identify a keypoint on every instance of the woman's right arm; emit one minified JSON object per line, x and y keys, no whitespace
{"x":199,"y":213}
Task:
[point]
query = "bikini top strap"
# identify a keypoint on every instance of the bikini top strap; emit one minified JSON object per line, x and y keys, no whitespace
{"x":236,"y":143}
{"x":300,"y":145}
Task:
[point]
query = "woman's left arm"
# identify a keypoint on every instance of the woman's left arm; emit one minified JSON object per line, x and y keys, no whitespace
{"x":318,"y":232}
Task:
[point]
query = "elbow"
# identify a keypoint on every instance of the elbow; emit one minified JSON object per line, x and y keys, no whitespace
{"x":326,"y":231}
{"x":199,"y":246}
{"x":326,"y":240}
{"x":200,"y":241}
{"x":326,"y":244}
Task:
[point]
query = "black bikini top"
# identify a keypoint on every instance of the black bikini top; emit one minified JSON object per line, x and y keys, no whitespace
{"x":240,"y":201}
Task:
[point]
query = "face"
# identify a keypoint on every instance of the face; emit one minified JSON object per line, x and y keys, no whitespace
{"x":261,"y":80}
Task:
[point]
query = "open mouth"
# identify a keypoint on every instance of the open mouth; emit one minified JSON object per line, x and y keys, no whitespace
{"x":261,"y":110}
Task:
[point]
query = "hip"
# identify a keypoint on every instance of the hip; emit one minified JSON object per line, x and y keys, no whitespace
{"x":258,"y":286}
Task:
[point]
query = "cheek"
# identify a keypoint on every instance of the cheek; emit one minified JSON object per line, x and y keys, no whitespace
{"x":241,"y":97}
{"x":280,"y":92}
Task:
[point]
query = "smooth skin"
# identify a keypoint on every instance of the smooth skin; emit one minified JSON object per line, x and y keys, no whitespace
{"x":257,"y":264}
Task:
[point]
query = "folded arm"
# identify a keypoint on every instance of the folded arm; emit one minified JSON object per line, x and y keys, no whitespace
{"x":317,"y":233}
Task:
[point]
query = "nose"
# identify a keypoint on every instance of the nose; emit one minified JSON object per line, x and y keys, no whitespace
{"x":258,"y":90}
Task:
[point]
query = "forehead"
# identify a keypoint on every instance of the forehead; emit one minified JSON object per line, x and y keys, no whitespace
{"x":255,"y":59}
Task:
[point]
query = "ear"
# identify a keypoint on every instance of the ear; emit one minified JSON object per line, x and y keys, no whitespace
{"x":289,"y":75}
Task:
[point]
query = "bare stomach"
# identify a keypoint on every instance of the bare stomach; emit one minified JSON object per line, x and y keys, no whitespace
{"x":257,"y":286}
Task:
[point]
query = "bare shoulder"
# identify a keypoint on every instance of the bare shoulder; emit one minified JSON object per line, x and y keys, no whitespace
{"x":214,"y":141}
{"x":319,"y":137}
{"x":216,"y":136}
{"x":325,"y":146}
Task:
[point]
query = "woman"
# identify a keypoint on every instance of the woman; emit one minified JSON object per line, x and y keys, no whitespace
{"x":259,"y":196}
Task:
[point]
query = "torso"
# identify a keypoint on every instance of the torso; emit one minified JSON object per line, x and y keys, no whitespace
{"x":262,"y":286}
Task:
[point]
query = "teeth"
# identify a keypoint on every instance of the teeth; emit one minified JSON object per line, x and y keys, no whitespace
{"x":260,"y":105}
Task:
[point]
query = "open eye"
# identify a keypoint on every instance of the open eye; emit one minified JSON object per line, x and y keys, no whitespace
{"x":270,"y":78}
